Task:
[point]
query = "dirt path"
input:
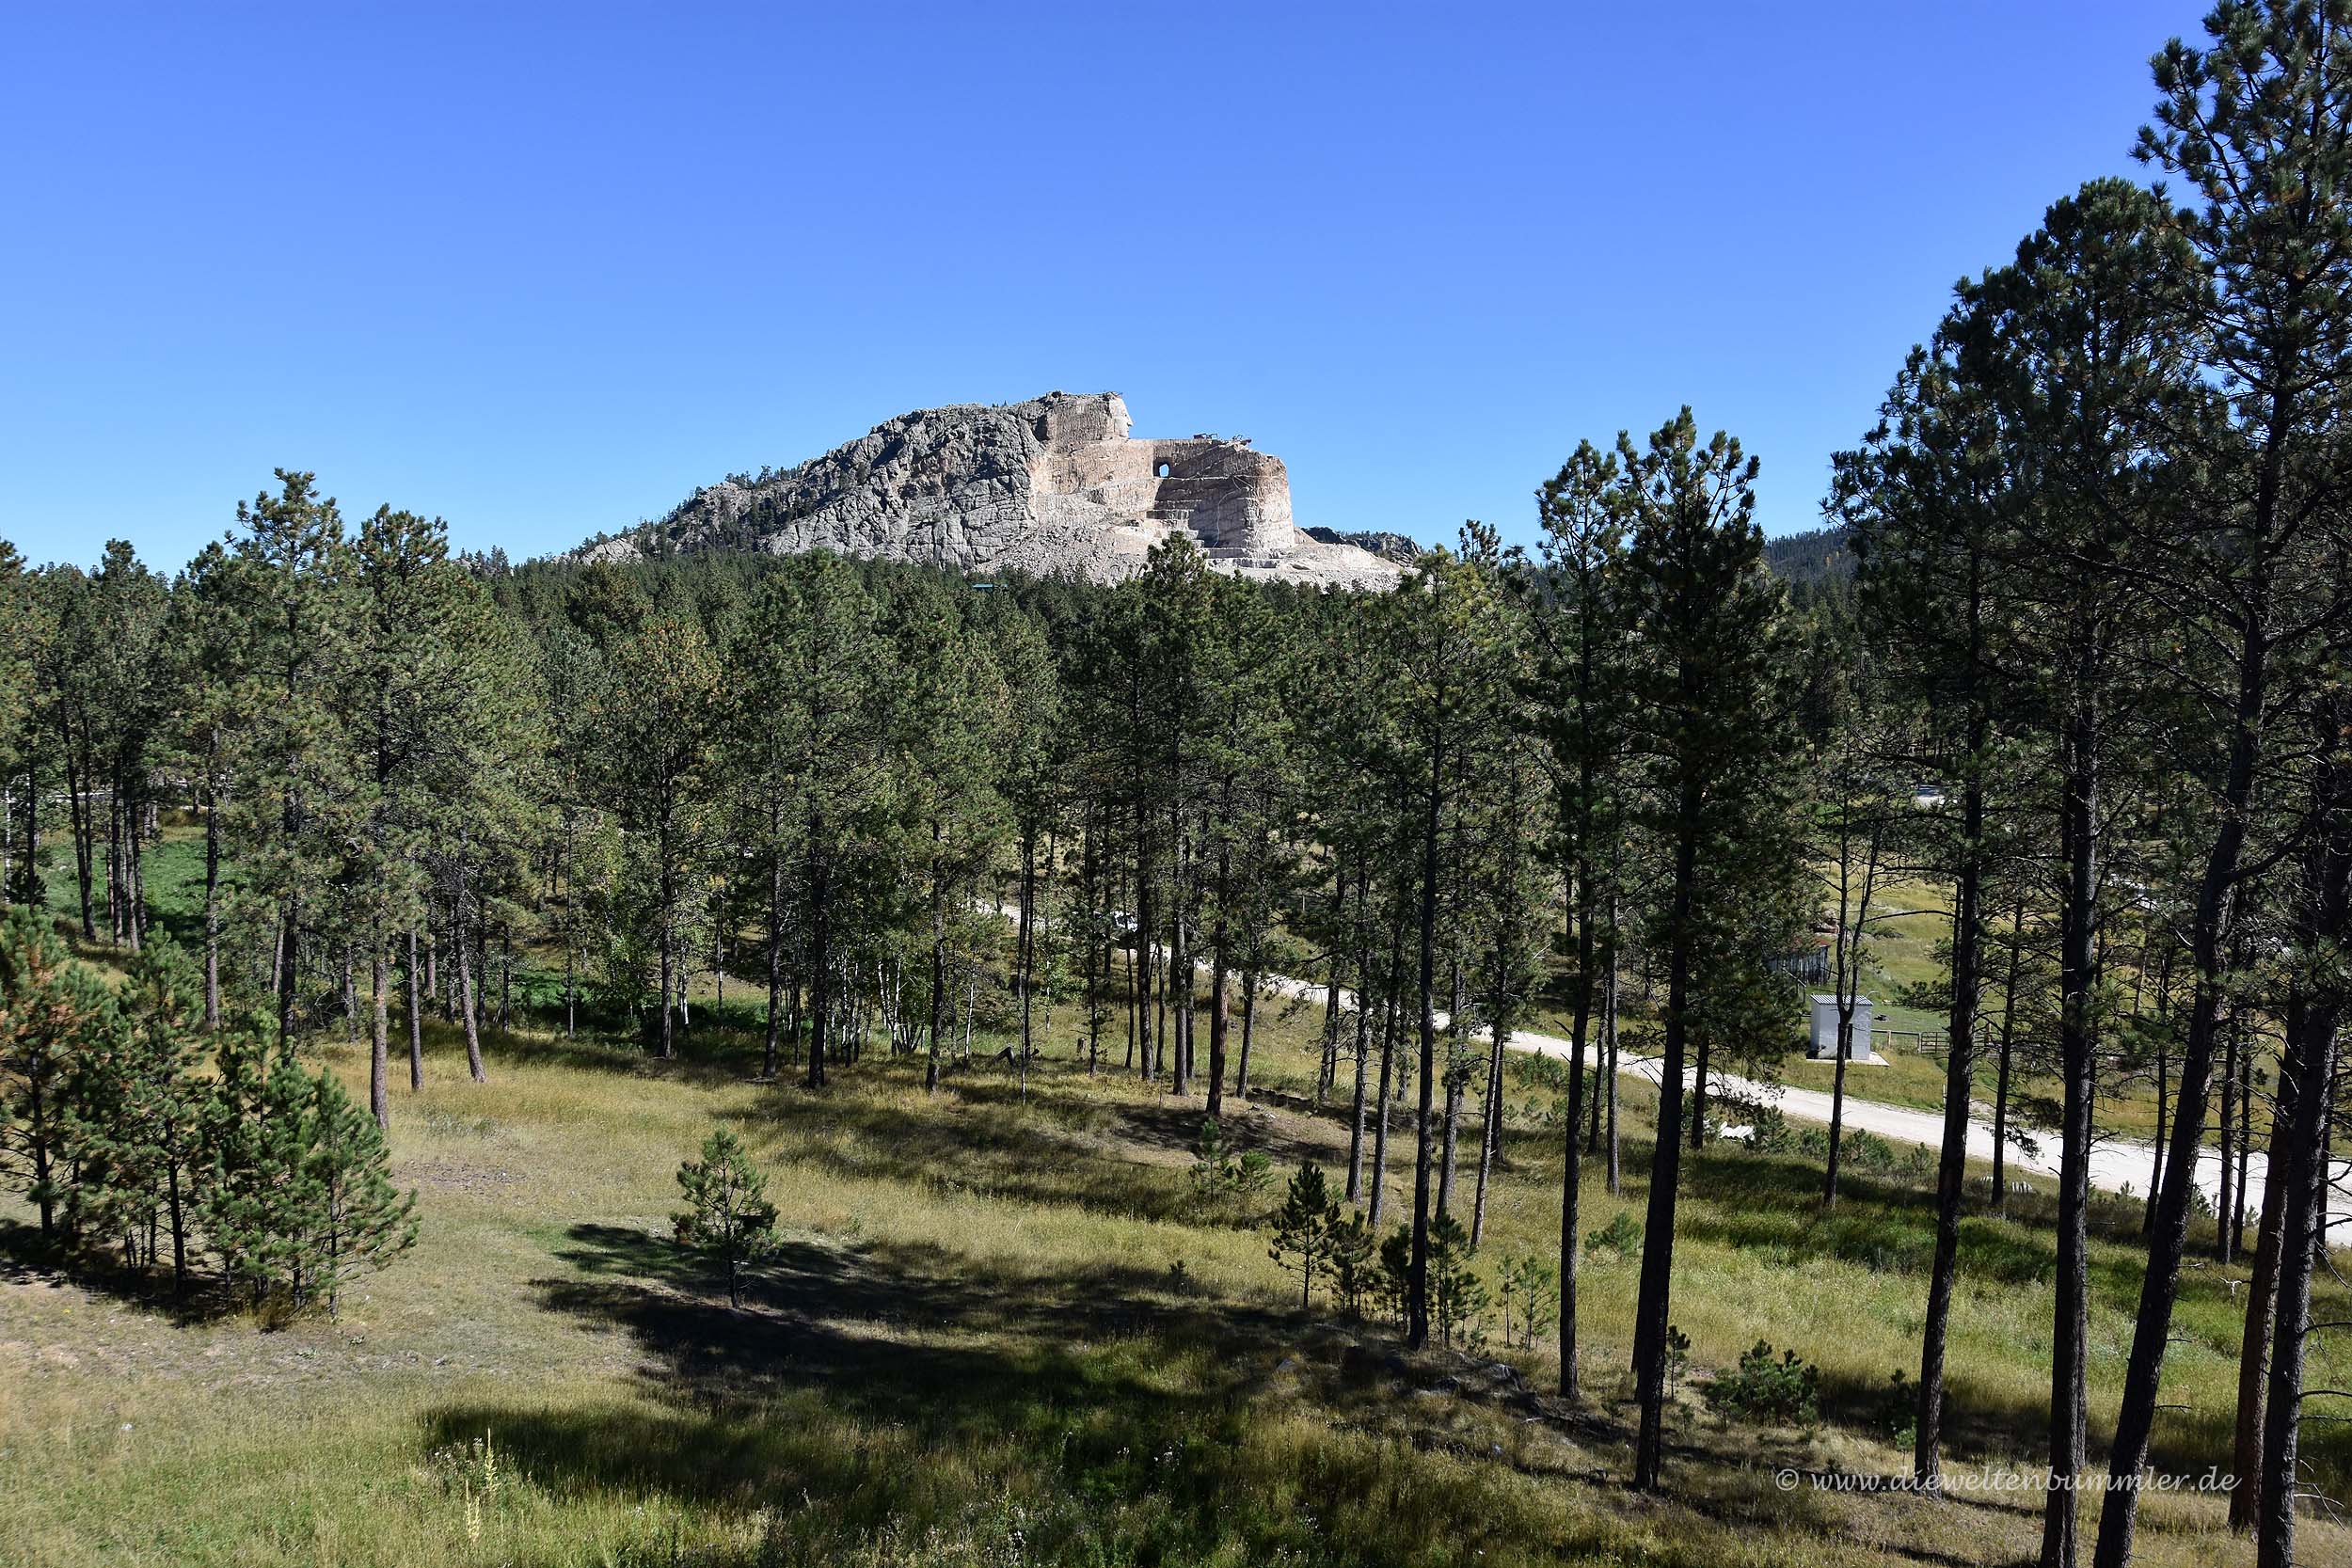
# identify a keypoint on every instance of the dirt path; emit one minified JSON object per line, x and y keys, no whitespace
{"x":2117,"y":1165}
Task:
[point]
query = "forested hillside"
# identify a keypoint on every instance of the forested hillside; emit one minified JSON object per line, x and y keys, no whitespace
{"x":1811,"y":556}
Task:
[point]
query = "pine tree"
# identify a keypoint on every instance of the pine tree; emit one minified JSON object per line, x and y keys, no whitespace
{"x":815,"y":689}
{"x":951,"y":723}
{"x":1923,"y":500}
{"x":1579,"y":625}
{"x":1304,"y":1226}
{"x":1715,"y":743}
{"x":20,"y":635}
{"x":1350,"y":1249}
{"x":2253,"y":123}
{"x":137,"y":1103}
{"x":728,"y":1219}
{"x":657,"y":749}
{"x":1455,"y":660}
{"x":360,"y":1222}
{"x":52,"y":1012}
{"x":1029,"y":783}
{"x":1457,"y":1297}
{"x":260,"y":1195}
{"x":292,"y":798}
{"x":2085,"y":340}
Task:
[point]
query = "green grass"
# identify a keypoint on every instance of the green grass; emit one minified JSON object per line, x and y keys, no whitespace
{"x":998,"y":1331}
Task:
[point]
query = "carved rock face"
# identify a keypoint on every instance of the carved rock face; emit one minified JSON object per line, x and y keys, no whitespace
{"x":1055,"y":487}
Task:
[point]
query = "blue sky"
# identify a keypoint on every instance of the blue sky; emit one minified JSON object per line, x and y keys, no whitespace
{"x":542,"y":271}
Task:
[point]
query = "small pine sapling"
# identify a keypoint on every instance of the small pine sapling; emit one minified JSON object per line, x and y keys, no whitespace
{"x":1304,"y":1226}
{"x":1394,"y":1283}
{"x":728,"y":1218}
{"x":1351,"y":1261}
{"x":1533,"y":1286}
{"x":1457,"y":1297}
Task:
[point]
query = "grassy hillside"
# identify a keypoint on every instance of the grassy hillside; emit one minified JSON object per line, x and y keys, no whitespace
{"x":1000,"y":1330}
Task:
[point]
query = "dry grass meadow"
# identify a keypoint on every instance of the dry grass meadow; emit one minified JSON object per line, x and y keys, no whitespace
{"x":1000,"y":1330}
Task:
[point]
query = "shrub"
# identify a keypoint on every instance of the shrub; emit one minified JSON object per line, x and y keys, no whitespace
{"x":1898,"y":1408}
{"x":1622,"y":1235}
{"x":1217,"y":1174}
{"x":295,"y":1194}
{"x":1868,"y":1151}
{"x":1786,"y":1390}
{"x":1767,"y":1128}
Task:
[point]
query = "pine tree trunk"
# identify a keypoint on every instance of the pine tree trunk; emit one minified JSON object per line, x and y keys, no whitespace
{"x":2209,"y":934}
{"x":2310,"y":1069}
{"x":1609,"y":1033}
{"x":178,"y":1228}
{"x":1329,"y":1075}
{"x":466,"y":983}
{"x":416,"y":1022}
{"x":212,"y":909}
{"x":2069,"y":1332}
{"x":289,"y":958}
{"x":380,"y":1041}
{"x":2156,"y":1152}
{"x":819,"y":956}
{"x":1416,"y":1292}
{"x":1363,"y":1051}
{"x":2307,"y":1080}
{"x":1179,"y":977}
{"x":1951,"y":1173}
{"x":1220,"y":979}
{"x":78,"y":811}
{"x":1571,"y":1171}
{"x":1380,"y":1109}
{"x":2262,"y":1294}
{"x":2000,"y":1088}
{"x":939,"y":964}
{"x":1837,"y":1107}
{"x":1490,"y":1130}
{"x":1024,"y":944}
{"x":1450,"y":1134}
{"x":2225,"y":1245}
{"x":775,"y":951}
{"x":1652,"y":1320}
{"x":1248,"y":1032}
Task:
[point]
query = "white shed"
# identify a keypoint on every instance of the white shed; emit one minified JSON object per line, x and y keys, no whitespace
{"x":1822,"y":1044}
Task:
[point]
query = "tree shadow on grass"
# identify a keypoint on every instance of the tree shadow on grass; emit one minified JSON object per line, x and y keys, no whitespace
{"x":979,"y":1139}
{"x":848,"y":1365}
{"x":871,"y":1388}
{"x":840,"y":1313}
{"x":28,"y":1257}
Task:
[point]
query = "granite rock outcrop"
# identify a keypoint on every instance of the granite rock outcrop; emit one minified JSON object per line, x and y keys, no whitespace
{"x":1054,"y":486}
